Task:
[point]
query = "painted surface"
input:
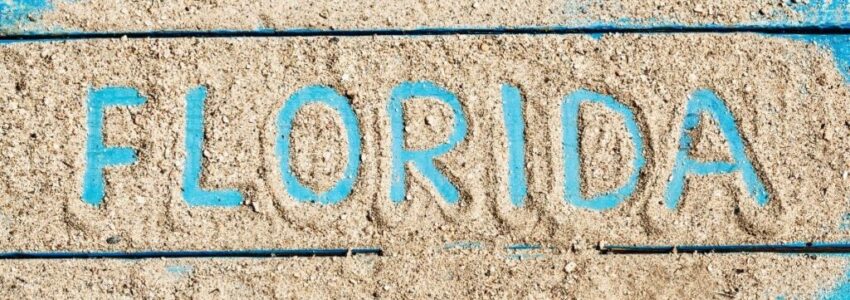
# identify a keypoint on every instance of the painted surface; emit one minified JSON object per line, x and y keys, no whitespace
{"x":838,"y":45}
{"x":706,"y":102}
{"x":824,"y":13}
{"x":512,"y":109}
{"x":423,"y":160}
{"x":98,"y":155}
{"x":842,"y":291}
{"x":14,"y":12}
{"x":313,"y":95}
{"x":812,"y":13}
{"x":572,"y":165}
{"x":193,"y":194}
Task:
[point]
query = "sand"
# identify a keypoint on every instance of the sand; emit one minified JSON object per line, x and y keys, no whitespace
{"x":787,"y":98}
{"x":799,"y":149}
{"x":445,"y":274}
{"x":148,"y":15}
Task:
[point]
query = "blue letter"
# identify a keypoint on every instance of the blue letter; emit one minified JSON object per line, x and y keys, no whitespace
{"x":572,"y":176}
{"x":422,"y":159}
{"x":192,"y":192}
{"x":706,"y":101}
{"x":98,"y":156}
{"x":309,"y":95}
{"x":515,"y":128}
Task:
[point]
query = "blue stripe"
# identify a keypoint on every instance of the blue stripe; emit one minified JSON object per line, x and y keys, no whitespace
{"x":795,"y":247}
{"x":432,"y":31}
{"x":520,"y":247}
{"x":512,"y":109}
{"x":255,"y":253}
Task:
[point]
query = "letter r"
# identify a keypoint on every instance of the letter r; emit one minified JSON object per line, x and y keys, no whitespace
{"x":422,"y":159}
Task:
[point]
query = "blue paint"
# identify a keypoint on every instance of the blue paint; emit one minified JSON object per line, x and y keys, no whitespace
{"x":512,"y":104}
{"x":523,"y":247}
{"x":465,"y":245}
{"x":824,"y":12}
{"x":820,"y":248}
{"x":15,"y":12}
{"x":812,"y":16}
{"x":525,"y":256}
{"x":838,"y":45}
{"x":315,"y":94}
{"x":193,"y":194}
{"x":815,"y":14}
{"x":249,"y":253}
{"x":98,"y":155}
{"x":572,"y":163}
{"x":845,"y":223}
{"x":820,"y":13}
{"x":593,"y":30}
{"x":523,"y":251}
{"x":179,"y":270}
{"x":422,"y":159}
{"x":705,"y":101}
{"x":842,"y":291}
{"x":836,"y":13}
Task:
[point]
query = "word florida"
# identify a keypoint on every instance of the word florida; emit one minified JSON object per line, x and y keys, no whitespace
{"x":99,"y":156}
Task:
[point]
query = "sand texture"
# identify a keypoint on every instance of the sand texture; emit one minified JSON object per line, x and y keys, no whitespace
{"x":788,"y":101}
{"x":442,"y":275}
{"x":110,"y":15}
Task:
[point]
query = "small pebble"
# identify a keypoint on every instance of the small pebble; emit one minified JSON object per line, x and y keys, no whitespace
{"x":571,"y":266}
{"x":429,"y":120}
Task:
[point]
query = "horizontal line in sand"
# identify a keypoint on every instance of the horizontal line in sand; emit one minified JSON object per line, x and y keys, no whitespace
{"x":250,"y":253}
{"x":801,"y":248}
{"x":527,"y":30}
{"x":798,"y":248}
